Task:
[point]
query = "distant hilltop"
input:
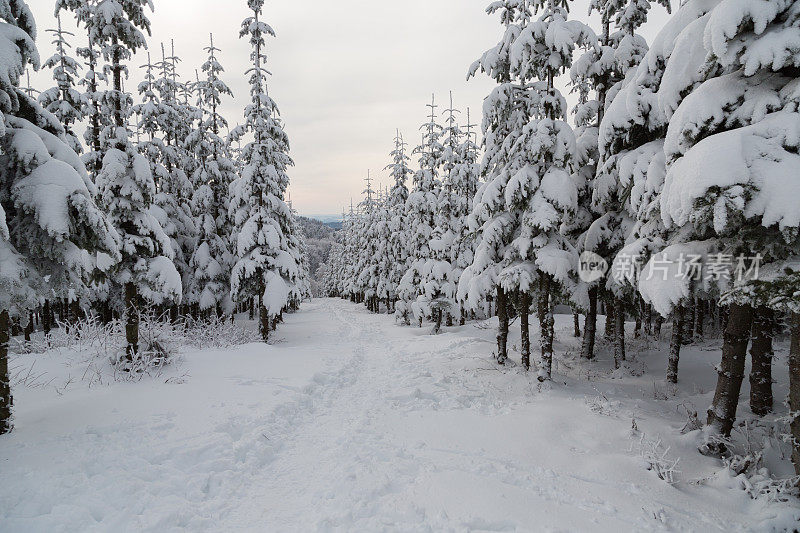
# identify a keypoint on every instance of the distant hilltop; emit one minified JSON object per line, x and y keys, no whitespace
{"x":332,"y":221}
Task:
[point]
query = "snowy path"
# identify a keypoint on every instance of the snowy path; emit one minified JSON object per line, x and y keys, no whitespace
{"x":348,"y":423}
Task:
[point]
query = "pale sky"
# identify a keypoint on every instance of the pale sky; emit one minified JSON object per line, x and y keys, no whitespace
{"x":346,"y":74}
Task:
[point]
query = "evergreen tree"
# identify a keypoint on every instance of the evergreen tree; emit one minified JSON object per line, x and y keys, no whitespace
{"x":209,"y":285}
{"x":64,"y":100}
{"x":53,"y":236}
{"x":267,"y":264}
{"x":730,"y":148}
{"x":125,"y":181}
{"x":91,"y":97}
{"x":397,"y":244}
{"x":421,"y":209}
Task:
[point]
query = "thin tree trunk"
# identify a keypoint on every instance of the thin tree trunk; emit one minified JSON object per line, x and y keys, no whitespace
{"x":29,"y":328}
{"x":264,"y":324}
{"x":761,"y":356}
{"x":437,"y":316}
{"x":688,"y":322}
{"x":502,"y":328}
{"x":794,"y":388}
{"x":658,"y":322}
{"x":722,"y":413}
{"x":619,"y":332}
{"x":132,"y":320}
{"x":678,"y":326}
{"x":6,"y":400}
{"x":590,"y":326}
{"x":524,"y":326}
{"x":638,"y":309}
{"x":546,"y":327}
{"x":576,"y":325}
{"x":608,"y":303}
{"x":699,"y":318}
{"x":47,"y":317}
{"x":648,"y":319}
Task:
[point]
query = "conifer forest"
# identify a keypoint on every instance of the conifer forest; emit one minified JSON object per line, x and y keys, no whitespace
{"x":567,"y":302}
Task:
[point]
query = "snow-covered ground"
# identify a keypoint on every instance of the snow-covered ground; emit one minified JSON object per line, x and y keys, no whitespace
{"x":348,"y":422}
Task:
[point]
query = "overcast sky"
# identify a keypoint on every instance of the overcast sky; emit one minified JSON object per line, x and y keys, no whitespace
{"x":346,"y":74}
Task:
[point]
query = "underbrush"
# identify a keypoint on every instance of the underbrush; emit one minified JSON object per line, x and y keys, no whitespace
{"x":99,"y":349}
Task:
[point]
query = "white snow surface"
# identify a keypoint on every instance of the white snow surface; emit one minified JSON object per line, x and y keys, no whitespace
{"x":349,"y":422}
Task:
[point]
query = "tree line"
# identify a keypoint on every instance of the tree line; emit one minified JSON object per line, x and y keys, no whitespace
{"x":675,"y":174}
{"x":158,"y":204}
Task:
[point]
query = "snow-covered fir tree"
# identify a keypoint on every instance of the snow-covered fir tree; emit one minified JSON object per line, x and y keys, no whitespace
{"x":126,"y":188}
{"x":53,"y":237}
{"x":528,"y":163}
{"x":729,"y":100}
{"x":396,"y":234}
{"x":603,"y":68}
{"x":421,"y":219}
{"x":64,"y":100}
{"x":209,"y":285}
{"x":267,"y":265}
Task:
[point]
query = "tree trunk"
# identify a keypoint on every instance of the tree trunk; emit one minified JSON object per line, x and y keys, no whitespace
{"x":658,"y":321}
{"x":576,"y":325}
{"x":132,"y":320}
{"x":29,"y":328}
{"x":722,"y":413}
{"x":502,"y":328}
{"x":761,"y":356}
{"x":688,"y":322}
{"x":590,"y":326}
{"x":678,"y":319}
{"x":524,"y":326}
{"x":609,"y":310}
{"x":546,"y":327}
{"x":251,"y":313}
{"x":6,"y":400}
{"x":263,"y":316}
{"x":648,"y":320}
{"x":699,"y":318}
{"x":794,"y":388}
{"x":47,"y":317}
{"x":619,"y":332}
{"x":437,"y":315}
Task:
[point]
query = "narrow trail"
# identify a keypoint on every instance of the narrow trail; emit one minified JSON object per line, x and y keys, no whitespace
{"x":402,"y":437}
{"x":346,"y":423}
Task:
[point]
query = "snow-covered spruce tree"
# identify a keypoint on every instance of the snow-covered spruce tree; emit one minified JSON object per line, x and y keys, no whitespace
{"x":172,"y":202}
{"x":51,"y":231}
{"x":397,"y":230}
{"x":540,"y":183}
{"x":366,"y":269}
{"x":91,"y":97}
{"x":532,"y":190}
{"x":125,"y":181}
{"x":64,"y":100}
{"x":385,"y":263}
{"x":463,"y":179}
{"x":602,"y":69}
{"x":211,"y":263}
{"x":438,"y":277}
{"x":505,"y":111}
{"x":731,"y":157}
{"x":633,"y":167}
{"x":421,"y":213}
{"x":266,"y":266}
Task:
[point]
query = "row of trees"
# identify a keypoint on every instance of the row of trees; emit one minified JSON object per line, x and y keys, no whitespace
{"x":677,"y":170}
{"x":160,"y":210}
